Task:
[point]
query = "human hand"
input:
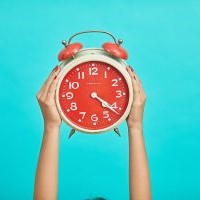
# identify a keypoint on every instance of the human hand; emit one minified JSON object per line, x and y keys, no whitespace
{"x":46,"y":100}
{"x":135,"y":116}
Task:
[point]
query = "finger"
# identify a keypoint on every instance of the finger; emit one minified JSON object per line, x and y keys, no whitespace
{"x":52,"y":89}
{"x":137,"y":80}
{"x":42,"y":89}
{"x":49,"y":81}
{"x":133,"y":79}
{"x":140,"y":85}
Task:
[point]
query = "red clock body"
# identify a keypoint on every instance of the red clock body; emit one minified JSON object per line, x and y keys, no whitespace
{"x":93,"y":95}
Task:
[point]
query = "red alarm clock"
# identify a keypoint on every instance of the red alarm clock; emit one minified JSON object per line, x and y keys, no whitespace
{"x":94,"y":91}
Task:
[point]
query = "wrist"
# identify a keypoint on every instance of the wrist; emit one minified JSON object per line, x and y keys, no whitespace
{"x":136,"y":126}
{"x":135,"y":131}
{"x":51,"y":127}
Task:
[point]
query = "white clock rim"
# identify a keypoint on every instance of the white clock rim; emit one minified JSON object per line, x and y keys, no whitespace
{"x":65,"y":68}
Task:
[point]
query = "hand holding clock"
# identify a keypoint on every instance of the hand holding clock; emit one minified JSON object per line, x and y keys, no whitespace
{"x":139,"y":176}
{"x":46,"y":100}
{"x":135,"y":116}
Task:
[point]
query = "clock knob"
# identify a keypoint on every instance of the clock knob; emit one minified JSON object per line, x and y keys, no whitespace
{"x":69,"y":50}
{"x":115,"y":49}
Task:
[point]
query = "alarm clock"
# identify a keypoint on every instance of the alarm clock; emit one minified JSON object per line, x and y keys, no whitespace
{"x":94,"y":92}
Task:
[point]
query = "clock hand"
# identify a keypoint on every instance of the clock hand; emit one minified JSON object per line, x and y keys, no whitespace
{"x":104,"y":103}
{"x":94,"y":96}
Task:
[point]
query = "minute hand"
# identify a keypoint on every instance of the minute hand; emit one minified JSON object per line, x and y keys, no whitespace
{"x":107,"y":105}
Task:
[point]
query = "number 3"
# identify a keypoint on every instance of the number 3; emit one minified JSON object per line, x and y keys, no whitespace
{"x":119,"y":93}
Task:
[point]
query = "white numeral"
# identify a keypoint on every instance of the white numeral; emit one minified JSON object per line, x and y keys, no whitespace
{"x":105,"y":114}
{"x":105,"y":74}
{"x":93,"y":71}
{"x":114,"y":81}
{"x":73,"y":85}
{"x":69,"y":95}
{"x":83,"y":114}
{"x":94,"y":118}
{"x":73,"y":106}
{"x":114,"y":105}
{"x":81,"y":75}
{"x":119,"y":93}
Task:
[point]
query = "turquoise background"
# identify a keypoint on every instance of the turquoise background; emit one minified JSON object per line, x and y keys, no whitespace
{"x":162,"y":38}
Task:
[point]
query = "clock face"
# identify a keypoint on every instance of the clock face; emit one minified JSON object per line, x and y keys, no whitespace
{"x":93,"y":95}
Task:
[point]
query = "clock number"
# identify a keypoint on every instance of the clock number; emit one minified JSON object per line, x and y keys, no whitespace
{"x":83,"y":114}
{"x":93,"y":71}
{"x":73,"y":106}
{"x":114,"y":105}
{"x":114,"y":81}
{"x":94,"y":118}
{"x":69,"y":95}
{"x":119,"y":93}
{"x":105,"y":114}
{"x":105,"y":74}
{"x":81,"y":75}
{"x":73,"y":85}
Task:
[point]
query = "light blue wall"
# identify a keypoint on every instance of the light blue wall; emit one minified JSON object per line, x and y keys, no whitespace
{"x":162,"y":38}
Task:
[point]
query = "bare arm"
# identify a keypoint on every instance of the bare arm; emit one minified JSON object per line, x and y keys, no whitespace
{"x":139,"y":179}
{"x":46,"y":180}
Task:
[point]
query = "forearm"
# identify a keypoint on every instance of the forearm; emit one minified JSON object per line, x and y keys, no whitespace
{"x":46,"y":180}
{"x":138,"y":166}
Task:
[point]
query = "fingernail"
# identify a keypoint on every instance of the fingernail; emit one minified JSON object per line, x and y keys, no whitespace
{"x":131,"y":68}
{"x":55,"y":77}
{"x":56,"y":68}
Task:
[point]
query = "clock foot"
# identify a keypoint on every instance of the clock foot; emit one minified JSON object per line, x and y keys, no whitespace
{"x":117,"y":131}
{"x":71,"y":133}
